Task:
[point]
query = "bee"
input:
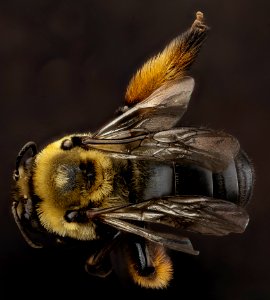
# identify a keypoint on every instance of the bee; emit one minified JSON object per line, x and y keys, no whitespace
{"x":140,"y":181}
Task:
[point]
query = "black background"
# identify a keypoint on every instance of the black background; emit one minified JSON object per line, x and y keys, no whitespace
{"x":64,"y":66}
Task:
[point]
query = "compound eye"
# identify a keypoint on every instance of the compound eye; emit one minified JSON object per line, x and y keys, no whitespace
{"x":67,"y":144}
{"x":28,"y":162}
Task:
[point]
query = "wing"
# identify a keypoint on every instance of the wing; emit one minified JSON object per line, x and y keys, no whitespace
{"x":208,"y":148}
{"x":163,"y":220}
{"x":160,"y":111}
{"x":211,"y":149}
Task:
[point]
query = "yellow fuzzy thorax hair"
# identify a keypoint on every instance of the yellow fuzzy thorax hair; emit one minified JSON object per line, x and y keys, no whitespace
{"x":49,"y":177}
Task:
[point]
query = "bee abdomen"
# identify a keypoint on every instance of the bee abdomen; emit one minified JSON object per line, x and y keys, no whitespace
{"x":193,"y":180}
{"x":245,"y":174}
{"x":160,"y":181}
{"x":234,"y":184}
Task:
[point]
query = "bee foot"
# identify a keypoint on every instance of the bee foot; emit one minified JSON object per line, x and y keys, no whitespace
{"x":199,"y":22}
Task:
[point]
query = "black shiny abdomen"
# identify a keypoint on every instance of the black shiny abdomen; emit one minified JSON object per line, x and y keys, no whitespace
{"x":245,"y":173}
{"x":234,"y":184}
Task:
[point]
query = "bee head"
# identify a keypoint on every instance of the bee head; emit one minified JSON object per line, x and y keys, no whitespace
{"x":23,"y":206}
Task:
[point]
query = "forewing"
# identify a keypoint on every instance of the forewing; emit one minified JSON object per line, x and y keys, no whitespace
{"x":160,"y":111}
{"x":207,"y":148}
{"x":197,"y":214}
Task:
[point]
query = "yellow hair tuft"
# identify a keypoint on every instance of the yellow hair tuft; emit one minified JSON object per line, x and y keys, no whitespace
{"x":163,"y":270}
{"x":170,"y":64}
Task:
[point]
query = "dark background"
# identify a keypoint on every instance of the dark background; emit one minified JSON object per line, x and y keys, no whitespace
{"x":64,"y":66}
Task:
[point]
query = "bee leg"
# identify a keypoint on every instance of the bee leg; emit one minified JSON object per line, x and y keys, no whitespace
{"x":30,"y":240}
{"x":100,"y":269}
{"x":149,"y":265}
{"x":99,"y":263}
{"x":199,"y":22}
